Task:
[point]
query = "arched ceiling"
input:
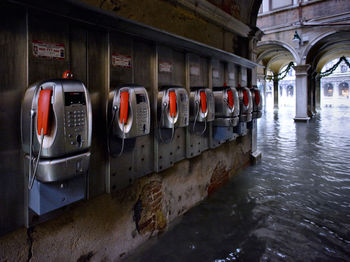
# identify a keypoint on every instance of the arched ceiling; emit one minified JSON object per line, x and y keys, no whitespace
{"x":328,"y":48}
{"x":274,"y":56}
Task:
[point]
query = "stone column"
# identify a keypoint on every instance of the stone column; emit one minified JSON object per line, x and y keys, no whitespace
{"x":318,"y":92}
{"x":311,"y":94}
{"x":263,"y":81}
{"x":301,"y":79}
{"x":264,"y":93}
{"x":275,"y":91}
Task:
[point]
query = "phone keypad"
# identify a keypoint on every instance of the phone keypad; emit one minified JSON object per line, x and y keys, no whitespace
{"x":75,"y":120}
{"x":141,"y":116}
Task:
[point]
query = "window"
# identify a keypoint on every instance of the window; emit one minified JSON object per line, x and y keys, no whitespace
{"x":280,"y":3}
{"x":290,"y":90}
{"x":343,"y":68}
{"x":290,"y":72}
{"x":328,"y":89}
{"x":344,"y":89}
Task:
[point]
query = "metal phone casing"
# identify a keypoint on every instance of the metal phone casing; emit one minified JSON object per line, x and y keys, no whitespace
{"x":53,"y":170}
{"x":70,"y":125}
{"x":224,"y":115}
{"x":256,"y":107}
{"x":139,"y":115}
{"x":195,"y":99}
{"x":181,"y":118}
{"x":245,"y":110}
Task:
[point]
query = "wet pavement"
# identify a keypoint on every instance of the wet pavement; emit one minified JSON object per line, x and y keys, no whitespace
{"x":293,"y":206}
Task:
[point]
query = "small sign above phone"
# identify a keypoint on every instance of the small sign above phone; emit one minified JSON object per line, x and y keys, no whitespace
{"x":216,"y":74}
{"x":165,"y":67}
{"x":48,"y":50}
{"x":231,"y":76}
{"x":195,"y":70}
{"x":120,"y":60}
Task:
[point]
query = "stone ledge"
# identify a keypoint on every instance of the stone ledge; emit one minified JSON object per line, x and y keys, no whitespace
{"x":256,"y":157}
{"x":301,"y":119}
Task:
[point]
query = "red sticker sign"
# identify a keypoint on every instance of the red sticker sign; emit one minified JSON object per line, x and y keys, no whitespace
{"x":165,"y":67}
{"x":121,"y":60}
{"x":216,"y":74}
{"x":195,"y":70}
{"x":48,"y":50}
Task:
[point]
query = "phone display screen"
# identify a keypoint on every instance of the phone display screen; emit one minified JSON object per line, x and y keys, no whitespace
{"x":140,"y":99}
{"x":71,"y":98}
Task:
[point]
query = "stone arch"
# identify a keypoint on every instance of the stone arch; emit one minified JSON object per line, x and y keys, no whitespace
{"x":313,"y":42}
{"x":326,"y":47}
{"x":281,"y":44}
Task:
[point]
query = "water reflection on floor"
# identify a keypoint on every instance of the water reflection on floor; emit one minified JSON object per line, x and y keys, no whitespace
{"x":293,"y":206}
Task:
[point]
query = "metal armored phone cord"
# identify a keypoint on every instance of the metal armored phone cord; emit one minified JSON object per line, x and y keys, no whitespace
{"x":123,"y":139}
{"x":32,"y":176}
{"x":115,"y":108}
{"x":195,"y":120}
{"x":161,"y":119}
{"x":172,"y":129}
{"x":205,"y":126}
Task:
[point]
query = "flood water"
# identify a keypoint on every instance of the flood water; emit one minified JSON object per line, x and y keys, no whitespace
{"x":293,"y":206}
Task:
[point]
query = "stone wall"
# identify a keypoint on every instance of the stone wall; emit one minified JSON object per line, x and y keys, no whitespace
{"x":108,"y":227}
{"x":171,"y":17}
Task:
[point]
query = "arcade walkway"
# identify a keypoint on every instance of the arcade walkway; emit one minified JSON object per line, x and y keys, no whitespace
{"x":293,"y":206}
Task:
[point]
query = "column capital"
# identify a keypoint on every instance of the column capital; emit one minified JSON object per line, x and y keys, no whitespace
{"x":301,"y":69}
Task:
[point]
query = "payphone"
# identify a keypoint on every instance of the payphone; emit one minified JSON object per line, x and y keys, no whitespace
{"x":246,"y":104}
{"x":172,"y":110}
{"x":202,"y":108}
{"x":202,"y":113}
{"x":257,"y":102}
{"x":172,"y":118}
{"x":56,"y":128}
{"x":226,"y":112}
{"x":130,"y":113}
{"x":246,"y":109}
{"x":226,"y":106}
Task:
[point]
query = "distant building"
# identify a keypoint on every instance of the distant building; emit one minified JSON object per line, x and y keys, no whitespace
{"x":311,"y":34}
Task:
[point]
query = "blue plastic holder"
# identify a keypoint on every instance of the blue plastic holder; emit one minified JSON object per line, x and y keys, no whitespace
{"x":47,"y":197}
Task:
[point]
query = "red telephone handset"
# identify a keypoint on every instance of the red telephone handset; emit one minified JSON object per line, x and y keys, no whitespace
{"x":230,"y":98}
{"x":44,"y":111}
{"x":245,"y":98}
{"x":257,"y":97}
{"x":172,"y":102}
{"x":124,"y":106}
{"x":203,"y":101}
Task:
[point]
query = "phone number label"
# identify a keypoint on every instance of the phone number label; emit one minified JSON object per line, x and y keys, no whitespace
{"x":48,"y":50}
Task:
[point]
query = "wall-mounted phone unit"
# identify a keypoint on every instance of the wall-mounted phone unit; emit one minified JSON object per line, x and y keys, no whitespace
{"x":246,"y":104}
{"x":257,"y":102}
{"x":56,"y":128}
{"x":202,"y":108}
{"x":172,"y":109}
{"x":130,"y":114}
{"x":226,"y":106}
